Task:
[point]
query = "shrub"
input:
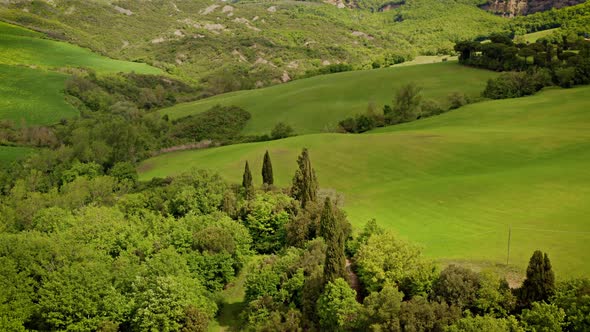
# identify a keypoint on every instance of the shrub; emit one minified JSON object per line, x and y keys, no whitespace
{"x":281,"y":130}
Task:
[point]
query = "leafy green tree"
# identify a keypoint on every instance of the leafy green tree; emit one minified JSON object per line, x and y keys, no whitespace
{"x":124,"y":171}
{"x":161,"y":303}
{"x":337,"y":306}
{"x":247,"y":182}
{"x":265,"y":217}
{"x":81,"y":297}
{"x":457,"y":286}
{"x":305,"y":183}
{"x":281,"y":130}
{"x":407,"y":102}
{"x":487,"y":324}
{"x":543,"y":317}
{"x":494,"y":295}
{"x":381,"y":310}
{"x":539,"y":284}
{"x":267,"y":176}
{"x":418,"y":314}
{"x":16,"y":296}
{"x":573,"y":296}
{"x":330,"y":230}
{"x":387,"y":259}
{"x":196,"y":191}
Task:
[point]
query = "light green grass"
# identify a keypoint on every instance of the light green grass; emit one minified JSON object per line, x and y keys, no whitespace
{"x":19,"y":48}
{"x":317,"y":104}
{"x":533,"y":37}
{"x":33,"y":96}
{"x":31,"y":86}
{"x":8,"y":154}
{"x":453,"y":183}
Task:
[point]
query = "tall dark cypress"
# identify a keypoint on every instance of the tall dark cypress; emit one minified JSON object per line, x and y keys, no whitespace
{"x":539,"y":284}
{"x":267,"y":176}
{"x":247,"y":182}
{"x":305,"y":184}
{"x":330,"y":230}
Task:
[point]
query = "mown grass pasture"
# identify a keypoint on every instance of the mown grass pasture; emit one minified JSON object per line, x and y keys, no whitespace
{"x":317,"y":104}
{"x":454,"y":183}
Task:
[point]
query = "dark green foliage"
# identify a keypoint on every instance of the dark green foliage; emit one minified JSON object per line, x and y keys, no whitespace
{"x":265,"y":216}
{"x":220,"y":123}
{"x":573,"y":296}
{"x":281,"y":130}
{"x":457,"y":286}
{"x":539,"y":284}
{"x":381,"y":310}
{"x":247,"y":184}
{"x":267,"y":175}
{"x":99,"y":93}
{"x":124,"y":171}
{"x":329,"y":69}
{"x":516,"y":84}
{"x":485,"y":323}
{"x":407,"y":102}
{"x":418,"y":314}
{"x":305,"y":183}
{"x":543,"y":317}
{"x":333,"y":234}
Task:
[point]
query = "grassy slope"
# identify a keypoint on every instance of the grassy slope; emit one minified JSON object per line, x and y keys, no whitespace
{"x":33,"y":96}
{"x":533,"y":37}
{"x":19,"y":48}
{"x":453,"y":183}
{"x":9,"y":154}
{"x":29,"y":90}
{"x":318,"y":103}
{"x":296,"y":36}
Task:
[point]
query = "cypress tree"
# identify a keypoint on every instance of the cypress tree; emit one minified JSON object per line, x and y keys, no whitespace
{"x":305,"y":184}
{"x":335,"y":264}
{"x":539,"y":284}
{"x":267,"y":176}
{"x":247,"y":182}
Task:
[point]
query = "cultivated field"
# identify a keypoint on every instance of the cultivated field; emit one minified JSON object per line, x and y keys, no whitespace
{"x":454,"y":183}
{"x":316,"y":104}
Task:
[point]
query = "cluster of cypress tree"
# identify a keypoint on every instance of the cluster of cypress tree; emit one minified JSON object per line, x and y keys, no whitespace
{"x":267,"y":176}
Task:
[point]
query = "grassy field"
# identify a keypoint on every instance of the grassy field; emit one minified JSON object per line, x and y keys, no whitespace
{"x":20,"y":47}
{"x":31,"y":88}
{"x":9,"y":154}
{"x":33,"y":96}
{"x":454,"y":183}
{"x":533,"y":37}
{"x":316,"y":104}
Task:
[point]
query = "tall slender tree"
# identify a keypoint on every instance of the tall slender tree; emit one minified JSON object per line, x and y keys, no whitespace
{"x":539,"y":284}
{"x":267,"y":176}
{"x":305,"y":184}
{"x":247,"y":182}
{"x":330,"y":230}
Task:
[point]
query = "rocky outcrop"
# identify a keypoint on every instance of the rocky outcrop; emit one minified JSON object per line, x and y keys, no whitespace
{"x":510,"y":8}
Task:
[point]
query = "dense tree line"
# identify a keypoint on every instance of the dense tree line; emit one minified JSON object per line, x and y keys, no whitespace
{"x":84,"y":247}
{"x":563,"y":60}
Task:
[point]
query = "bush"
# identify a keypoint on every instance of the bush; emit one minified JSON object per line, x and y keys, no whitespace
{"x":221,"y":123}
{"x":281,"y":130}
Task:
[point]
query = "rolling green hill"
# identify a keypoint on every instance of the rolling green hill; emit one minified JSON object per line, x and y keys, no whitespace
{"x":454,"y":183}
{"x":254,"y":43}
{"x":317,"y":104}
{"x":33,"y":75}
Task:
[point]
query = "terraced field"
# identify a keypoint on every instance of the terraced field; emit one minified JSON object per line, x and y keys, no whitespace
{"x":454,"y":183}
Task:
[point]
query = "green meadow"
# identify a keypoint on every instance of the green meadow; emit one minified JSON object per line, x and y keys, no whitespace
{"x":33,"y":96}
{"x":17,"y":47}
{"x":9,"y":154}
{"x":317,"y":104}
{"x":32,"y":83}
{"x":454,"y":183}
